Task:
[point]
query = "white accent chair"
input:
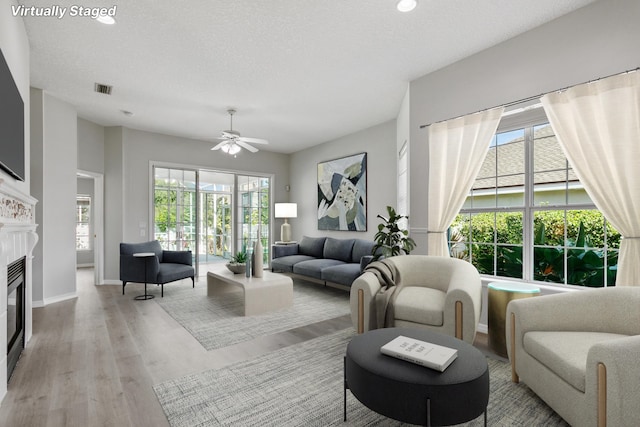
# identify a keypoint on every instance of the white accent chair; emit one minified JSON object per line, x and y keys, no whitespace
{"x":441,"y":294}
{"x":579,"y":351}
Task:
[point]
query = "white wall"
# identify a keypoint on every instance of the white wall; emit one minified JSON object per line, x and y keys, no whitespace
{"x":90,"y":146}
{"x":15,"y":48}
{"x":113,"y":201}
{"x":128,"y":156}
{"x":37,"y":171}
{"x":55,"y":153}
{"x":379,"y":142}
{"x":596,"y":41}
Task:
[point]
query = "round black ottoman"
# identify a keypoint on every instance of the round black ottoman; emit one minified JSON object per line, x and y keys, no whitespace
{"x":403,"y":390}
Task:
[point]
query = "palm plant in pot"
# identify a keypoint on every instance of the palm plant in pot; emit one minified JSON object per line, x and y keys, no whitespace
{"x":391,"y":240}
{"x":238,"y":263}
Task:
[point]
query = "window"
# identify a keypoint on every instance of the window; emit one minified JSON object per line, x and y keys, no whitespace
{"x":528,"y":217}
{"x":403,"y":185}
{"x":83,"y":223}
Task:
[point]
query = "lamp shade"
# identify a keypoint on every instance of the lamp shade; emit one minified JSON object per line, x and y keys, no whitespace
{"x":286,"y":210}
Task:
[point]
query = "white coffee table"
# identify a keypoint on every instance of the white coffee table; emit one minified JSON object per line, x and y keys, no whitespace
{"x":270,"y":292}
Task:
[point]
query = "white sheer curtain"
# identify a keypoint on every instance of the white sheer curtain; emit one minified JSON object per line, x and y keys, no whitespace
{"x":598,"y":126}
{"x":457,"y":149}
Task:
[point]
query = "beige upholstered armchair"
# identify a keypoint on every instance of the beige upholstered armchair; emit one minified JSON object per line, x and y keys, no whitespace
{"x":580,"y":352}
{"x":438,"y":293}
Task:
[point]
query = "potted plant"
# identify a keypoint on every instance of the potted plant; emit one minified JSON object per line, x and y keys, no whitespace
{"x":390,"y":239}
{"x":238,"y":263}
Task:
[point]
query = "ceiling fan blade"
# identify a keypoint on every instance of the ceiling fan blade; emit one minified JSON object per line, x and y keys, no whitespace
{"x":253,"y":140}
{"x":247,"y":146}
{"x":230,"y":134}
{"x":219,"y":146}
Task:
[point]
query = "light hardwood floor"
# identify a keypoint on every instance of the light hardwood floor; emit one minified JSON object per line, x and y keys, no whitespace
{"x":92,"y":361}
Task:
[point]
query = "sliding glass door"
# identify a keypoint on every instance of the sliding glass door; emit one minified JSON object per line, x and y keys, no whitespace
{"x":175,"y":208}
{"x":215,"y":231}
{"x":196,"y":210}
{"x":254,"y":213}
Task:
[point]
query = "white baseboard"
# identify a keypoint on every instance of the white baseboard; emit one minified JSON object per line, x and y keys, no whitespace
{"x":482,"y":328}
{"x":59,"y":298}
{"x":111,"y":282}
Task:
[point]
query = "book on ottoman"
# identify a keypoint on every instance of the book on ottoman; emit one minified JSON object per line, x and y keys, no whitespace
{"x":420,"y":352}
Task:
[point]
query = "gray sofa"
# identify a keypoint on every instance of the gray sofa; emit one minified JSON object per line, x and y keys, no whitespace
{"x":165,"y":267}
{"x":324,"y":259}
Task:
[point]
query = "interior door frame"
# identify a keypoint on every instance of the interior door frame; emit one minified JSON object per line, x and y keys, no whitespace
{"x":97,"y":211}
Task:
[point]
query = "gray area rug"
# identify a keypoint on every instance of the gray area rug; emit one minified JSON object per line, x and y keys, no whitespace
{"x":301,"y":385}
{"x":218,"y":321}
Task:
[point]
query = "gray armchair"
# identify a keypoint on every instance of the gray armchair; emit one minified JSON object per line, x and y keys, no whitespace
{"x":165,"y":267}
{"x":579,"y":352}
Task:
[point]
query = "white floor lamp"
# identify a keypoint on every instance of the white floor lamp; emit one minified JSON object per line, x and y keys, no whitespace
{"x":286,"y":211}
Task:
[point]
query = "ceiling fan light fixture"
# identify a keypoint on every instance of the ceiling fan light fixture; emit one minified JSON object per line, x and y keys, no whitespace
{"x":406,"y":5}
{"x":231,"y":148}
{"x":232,"y":142}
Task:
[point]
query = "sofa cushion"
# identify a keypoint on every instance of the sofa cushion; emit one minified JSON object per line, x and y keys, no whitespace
{"x":284,"y":250}
{"x":420,"y":305}
{"x":565,"y":353}
{"x":312,"y":246}
{"x":339,"y":249}
{"x":361,"y":248}
{"x":313,"y":268}
{"x":286,"y":263}
{"x":343,"y":274}
{"x":169,"y":272}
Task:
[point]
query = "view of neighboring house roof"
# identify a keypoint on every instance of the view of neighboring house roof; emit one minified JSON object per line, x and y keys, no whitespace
{"x":549,"y":162}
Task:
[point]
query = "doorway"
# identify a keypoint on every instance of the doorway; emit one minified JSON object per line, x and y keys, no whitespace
{"x":93,"y":228}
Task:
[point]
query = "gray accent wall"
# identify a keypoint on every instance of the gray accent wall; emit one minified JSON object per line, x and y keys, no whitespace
{"x":379,"y":142}
{"x":596,"y":41}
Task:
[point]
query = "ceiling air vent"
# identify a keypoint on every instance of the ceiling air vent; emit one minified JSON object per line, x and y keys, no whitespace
{"x":102,"y":88}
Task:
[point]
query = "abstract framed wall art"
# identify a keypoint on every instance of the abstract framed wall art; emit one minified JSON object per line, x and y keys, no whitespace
{"x":342,"y":193}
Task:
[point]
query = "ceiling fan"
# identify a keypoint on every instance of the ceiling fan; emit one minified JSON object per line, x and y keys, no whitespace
{"x":232,"y":142}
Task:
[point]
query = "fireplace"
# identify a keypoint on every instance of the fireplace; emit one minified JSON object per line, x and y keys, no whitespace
{"x":18,"y":239}
{"x":15,"y":312}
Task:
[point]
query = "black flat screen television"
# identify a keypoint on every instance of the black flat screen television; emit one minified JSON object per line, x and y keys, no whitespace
{"x":11,"y":124}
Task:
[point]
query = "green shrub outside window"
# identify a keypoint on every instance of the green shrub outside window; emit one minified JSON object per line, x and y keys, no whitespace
{"x":557,"y":237}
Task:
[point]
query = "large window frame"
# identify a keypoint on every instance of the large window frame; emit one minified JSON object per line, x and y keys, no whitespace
{"x":531,"y":251}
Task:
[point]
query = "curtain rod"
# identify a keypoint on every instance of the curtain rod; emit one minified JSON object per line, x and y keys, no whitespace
{"x":531,"y":98}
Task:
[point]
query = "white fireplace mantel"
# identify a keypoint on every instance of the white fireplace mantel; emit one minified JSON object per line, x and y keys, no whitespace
{"x":17,"y":239}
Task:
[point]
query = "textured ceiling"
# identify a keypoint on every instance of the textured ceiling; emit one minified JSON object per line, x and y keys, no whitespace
{"x":299,"y":72}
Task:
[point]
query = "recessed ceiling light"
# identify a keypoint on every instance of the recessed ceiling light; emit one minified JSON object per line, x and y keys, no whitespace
{"x":106,"y":19}
{"x":406,"y":5}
